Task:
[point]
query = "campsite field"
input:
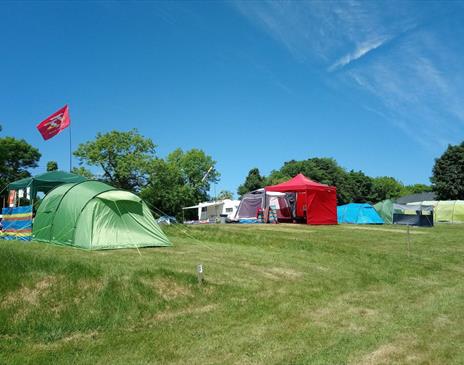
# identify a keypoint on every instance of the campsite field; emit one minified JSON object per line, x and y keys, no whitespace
{"x":281,"y":294}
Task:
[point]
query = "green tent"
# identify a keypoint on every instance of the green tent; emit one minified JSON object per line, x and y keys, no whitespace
{"x":45,"y":182}
{"x":448,"y":211}
{"x":385,"y":210}
{"x":93,"y":215}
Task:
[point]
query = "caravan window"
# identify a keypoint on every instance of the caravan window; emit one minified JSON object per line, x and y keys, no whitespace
{"x":229,"y":210}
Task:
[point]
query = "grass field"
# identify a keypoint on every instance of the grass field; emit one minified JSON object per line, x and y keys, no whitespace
{"x":283,"y":294}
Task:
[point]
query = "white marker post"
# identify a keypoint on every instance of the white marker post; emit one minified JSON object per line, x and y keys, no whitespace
{"x":200,"y":273}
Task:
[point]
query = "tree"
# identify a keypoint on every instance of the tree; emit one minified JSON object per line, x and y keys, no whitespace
{"x":16,"y":157}
{"x":385,"y":187}
{"x":52,"y":166}
{"x":322,"y":170}
{"x":180,"y":180}
{"x":224,"y":194}
{"x":415,"y":189}
{"x":253,"y":181}
{"x":82,"y":171}
{"x":448,"y":174}
{"x":124,"y":157}
{"x":360,"y":187}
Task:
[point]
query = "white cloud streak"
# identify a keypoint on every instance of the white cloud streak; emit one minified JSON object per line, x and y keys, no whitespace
{"x":416,"y":83}
{"x":359,"y":52}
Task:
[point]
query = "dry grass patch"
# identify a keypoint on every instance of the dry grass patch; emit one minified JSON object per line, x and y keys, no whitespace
{"x":275,"y":273}
{"x":168,"y":289}
{"x":383,"y":229}
{"x":30,"y":295}
{"x":397,"y":352}
{"x":168,"y":315}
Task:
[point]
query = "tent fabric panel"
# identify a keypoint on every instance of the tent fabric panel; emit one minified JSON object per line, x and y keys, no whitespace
{"x":85,"y":226}
{"x":46,"y":182}
{"x":298,"y":183}
{"x":385,"y":210}
{"x":42,"y":226}
{"x":119,"y":195}
{"x":68,"y":211}
{"x":321,"y":207}
{"x":355,"y":213}
{"x":413,"y":220}
{"x":122,"y":224}
{"x":249,"y":206}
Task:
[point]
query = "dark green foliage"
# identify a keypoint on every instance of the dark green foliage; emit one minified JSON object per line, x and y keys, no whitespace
{"x":52,"y":166}
{"x":82,"y":171}
{"x":180,"y":180}
{"x":253,"y":181}
{"x":448,"y":174}
{"x":224,"y":194}
{"x":359,"y":187}
{"x":385,"y":187}
{"x":352,"y":186}
{"x":16,"y":157}
{"x":124,"y":157}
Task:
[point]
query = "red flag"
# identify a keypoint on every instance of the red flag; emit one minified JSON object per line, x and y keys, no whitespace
{"x":55,"y":123}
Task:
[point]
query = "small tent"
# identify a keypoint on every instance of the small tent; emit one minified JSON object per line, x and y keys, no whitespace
{"x":316,"y":203}
{"x":261,"y":199}
{"x":447,"y":211}
{"x":385,"y":210}
{"x":94,"y":215}
{"x":358,"y":214}
{"x":411,"y":215}
{"x":44,"y":182}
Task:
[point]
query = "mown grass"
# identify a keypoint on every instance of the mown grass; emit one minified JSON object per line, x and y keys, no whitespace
{"x":283,"y":294}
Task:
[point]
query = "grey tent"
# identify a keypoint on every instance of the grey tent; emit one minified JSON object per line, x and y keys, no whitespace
{"x":260,"y":199}
{"x":413,"y":215}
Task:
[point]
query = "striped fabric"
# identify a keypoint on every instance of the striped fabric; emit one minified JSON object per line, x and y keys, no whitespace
{"x":17,"y":223}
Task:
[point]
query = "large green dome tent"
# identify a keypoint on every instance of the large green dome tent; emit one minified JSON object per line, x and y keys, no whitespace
{"x":94,"y":215}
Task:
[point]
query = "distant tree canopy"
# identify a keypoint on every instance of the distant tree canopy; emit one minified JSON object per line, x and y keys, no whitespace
{"x":448,"y":174}
{"x":82,"y":171}
{"x":224,"y":194}
{"x":52,"y":166}
{"x":16,"y":157}
{"x":124,"y":157}
{"x":253,"y":181}
{"x":181,"y":179}
{"x":352,"y":186}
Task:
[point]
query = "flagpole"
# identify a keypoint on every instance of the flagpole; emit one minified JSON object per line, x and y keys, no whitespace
{"x":70,"y":150}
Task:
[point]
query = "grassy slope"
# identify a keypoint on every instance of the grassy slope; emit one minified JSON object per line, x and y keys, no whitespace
{"x":273,"y":294}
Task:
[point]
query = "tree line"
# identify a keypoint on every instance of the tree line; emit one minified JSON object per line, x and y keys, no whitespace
{"x":129,"y":161}
{"x":352,"y":186}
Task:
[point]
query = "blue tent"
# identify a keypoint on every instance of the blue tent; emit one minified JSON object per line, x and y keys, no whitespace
{"x":358,"y":214}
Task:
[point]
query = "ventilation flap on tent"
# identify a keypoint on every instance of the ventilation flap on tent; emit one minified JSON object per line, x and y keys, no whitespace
{"x":119,"y":195}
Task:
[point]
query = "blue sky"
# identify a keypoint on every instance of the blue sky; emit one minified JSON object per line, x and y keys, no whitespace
{"x":379,"y":86}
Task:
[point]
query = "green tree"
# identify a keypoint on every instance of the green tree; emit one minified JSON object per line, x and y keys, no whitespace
{"x":224,"y":194}
{"x":16,"y":157}
{"x":82,"y":171}
{"x":253,"y":181}
{"x":52,"y":166}
{"x":448,"y":174}
{"x":359,"y":186}
{"x":416,"y":189}
{"x":322,"y":170}
{"x":124,"y":157}
{"x":180,"y":180}
{"x":385,"y":187}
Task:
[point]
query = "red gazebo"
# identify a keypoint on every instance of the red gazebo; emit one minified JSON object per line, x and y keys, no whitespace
{"x":317,"y":201}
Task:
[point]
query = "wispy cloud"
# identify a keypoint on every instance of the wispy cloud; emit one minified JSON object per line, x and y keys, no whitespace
{"x":416,"y":83}
{"x":359,"y":52}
